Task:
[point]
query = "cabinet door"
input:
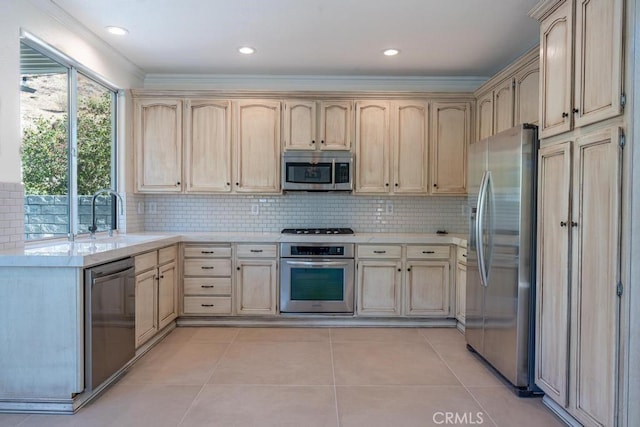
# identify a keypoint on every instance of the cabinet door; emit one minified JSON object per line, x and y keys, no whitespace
{"x":379,"y":285}
{"x":503,"y":106}
{"x":257,"y":146}
{"x":598,"y":60}
{"x":208,"y":146}
{"x":146,"y":306}
{"x":372,"y":147}
{"x":300,"y":125}
{"x":461,"y":292}
{"x":410,"y":165}
{"x":428,"y":287}
{"x":555,"y":64}
{"x":335,"y":125}
{"x":167,"y":294}
{"x":256,"y":286}
{"x":450,"y":133}
{"x":595,"y":274}
{"x":528,"y":94}
{"x":158,"y":142}
{"x":484,"y":116}
{"x":552,"y":276}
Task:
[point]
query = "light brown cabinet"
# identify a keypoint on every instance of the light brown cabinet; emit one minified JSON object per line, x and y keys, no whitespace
{"x":207,"y":280}
{"x":379,"y":280}
{"x":427,"y":281}
{"x":527,"y":90}
{"x":207,"y":146}
{"x":372,"y":147}
{"x":461,"y":285}
{"x":317,"y":125}
{"x":503,"y":105}
{"x":582,"y":87}
{"x":484,"y":116}
{"x":410,"y":147}
{"x":257,"y":146}
{"x":256,"y":279}
{"x":450,"y":135}
{"x":578,"y":261}
{"x":158,"y":145}
{"x":156,"y":291}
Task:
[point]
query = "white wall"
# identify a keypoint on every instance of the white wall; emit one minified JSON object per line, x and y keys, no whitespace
{"x":46,"y":21}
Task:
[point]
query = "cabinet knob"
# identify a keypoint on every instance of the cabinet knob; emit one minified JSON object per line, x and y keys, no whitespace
{"x":228,"y":183}
{"x":322,"y":141}
{"x":386,"y":184}
{"x":574,"y":224}
{"x":238,"y":268}
{"x":576,"y":111}
{"x":563,"y":223}
{"x":408,"y":269}
{"x":177,"y":183}
{"x":162,"y":277}
{"x":237,"y":183}
{"x":396,"y":184}
{"x":313,"y":142}
{"x":565,"y":115}
{"x":435,"y":185}
{"x":399,"y":269}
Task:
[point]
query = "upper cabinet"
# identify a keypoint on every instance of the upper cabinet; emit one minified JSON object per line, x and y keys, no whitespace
{"x":208,"y":145}
{"x":322,"y":125}
{"x":158,"y":145}
{"x":257,"y":146}
{"x":593,"y":73}
{"x":509,"y":98}
{"x":450,"y":135}
{"x":410,"y":147}
{"x":372,"y":146}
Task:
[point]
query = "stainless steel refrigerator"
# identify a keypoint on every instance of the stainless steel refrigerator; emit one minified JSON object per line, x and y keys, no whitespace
{"x":501,"y":253}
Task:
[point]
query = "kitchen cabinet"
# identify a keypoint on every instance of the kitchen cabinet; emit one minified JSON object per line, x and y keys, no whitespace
{"x":317,"y":125}
{"x":427,"y":281}
{"x":256,"y":279}
{"x":484,"y":116}
{"x":207,"y":279}
{"x":410,"y":147}
{"x":450,"y":135}
{"x":582,"y":87}
{"x":578,"y":267}
{"x":207,"y":146}
{"x":503,"y":105}
{"x":379,"y":280}
{"x":257,"y":146}
{"x":156,"y":292}
{"x":158,"y":145}
{"x":372,"y":147}
{"x":461,"y":285}
{"x":527,"y":92}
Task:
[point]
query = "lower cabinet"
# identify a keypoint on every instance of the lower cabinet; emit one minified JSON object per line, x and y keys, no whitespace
{"x":207,"y":280}
{"x":256,"y":279}
{"x":461,"y":284}
{"x":156,"y":292}
{"x":379,"y":286}
{"x":427,"y":281}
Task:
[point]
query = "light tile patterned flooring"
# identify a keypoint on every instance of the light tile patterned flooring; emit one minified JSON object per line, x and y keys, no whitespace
{"x":303,"y":377}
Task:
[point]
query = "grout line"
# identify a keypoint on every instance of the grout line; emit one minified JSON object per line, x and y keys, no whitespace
{"x":333,"y":370}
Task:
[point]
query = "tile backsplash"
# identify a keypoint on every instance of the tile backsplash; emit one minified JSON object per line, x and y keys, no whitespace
{"x":11,"y":215}
{"x":364,"y":214}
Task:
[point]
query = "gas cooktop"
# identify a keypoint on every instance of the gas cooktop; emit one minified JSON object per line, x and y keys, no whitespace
{"x":317,"y":231}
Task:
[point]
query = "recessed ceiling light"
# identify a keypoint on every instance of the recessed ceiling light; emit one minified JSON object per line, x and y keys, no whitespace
{"x":391,"y":52}
{"x":118,"y":31}
{"x":246,"y":50}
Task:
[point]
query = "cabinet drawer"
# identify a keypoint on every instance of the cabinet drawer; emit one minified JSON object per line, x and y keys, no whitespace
{"x":146,"y":261}
{"x":379,"y":251}
{"x":207,"y":286}
{"x":207,"y":267}
{"x":207,"y":252}
{"x":256,"y":251}
{"x":428,"y":252}
{"x":207,"y":305}
{"x":461,"y":255}
{"x":167,"y":254}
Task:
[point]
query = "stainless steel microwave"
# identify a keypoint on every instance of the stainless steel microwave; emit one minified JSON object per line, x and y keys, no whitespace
{"x":317,"y":171}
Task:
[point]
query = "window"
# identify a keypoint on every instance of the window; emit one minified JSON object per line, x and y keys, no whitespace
{"x":68,"y":144}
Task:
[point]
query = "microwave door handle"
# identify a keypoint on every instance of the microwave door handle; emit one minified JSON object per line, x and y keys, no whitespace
{"x":318,"y":263}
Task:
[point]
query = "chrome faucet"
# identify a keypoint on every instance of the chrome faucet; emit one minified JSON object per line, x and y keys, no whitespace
{"x":93,"y":227}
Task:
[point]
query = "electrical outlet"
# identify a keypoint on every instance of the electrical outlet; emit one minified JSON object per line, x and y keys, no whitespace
{"x":389,"y":209}
{"x":140,"y":208}
{"x":255,"y":209}
{"x":153,"y":207}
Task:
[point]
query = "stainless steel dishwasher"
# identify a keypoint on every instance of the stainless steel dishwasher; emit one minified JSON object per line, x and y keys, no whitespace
{"x":109,"y":320}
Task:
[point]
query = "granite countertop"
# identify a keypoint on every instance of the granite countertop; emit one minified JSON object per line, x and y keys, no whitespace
{"x":85,"y":252}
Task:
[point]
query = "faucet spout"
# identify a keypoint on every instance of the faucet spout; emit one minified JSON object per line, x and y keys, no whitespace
{"x":93,"y":227}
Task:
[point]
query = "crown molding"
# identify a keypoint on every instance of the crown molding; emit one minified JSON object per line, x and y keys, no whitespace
{"x":312,"y":83}
{"x":543,"y":8}
{"x":51,"y":8}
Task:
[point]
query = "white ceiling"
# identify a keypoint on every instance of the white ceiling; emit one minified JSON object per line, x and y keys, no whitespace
{"x":314,"y":37}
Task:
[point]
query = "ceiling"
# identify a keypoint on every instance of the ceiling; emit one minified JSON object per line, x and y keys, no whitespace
{"x":314,"y":37}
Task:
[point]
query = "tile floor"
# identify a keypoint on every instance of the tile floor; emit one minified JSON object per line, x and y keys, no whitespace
{"x":305,"y":377}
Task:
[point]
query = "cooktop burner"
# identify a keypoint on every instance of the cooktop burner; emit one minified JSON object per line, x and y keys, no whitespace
{"x":317,"y":231}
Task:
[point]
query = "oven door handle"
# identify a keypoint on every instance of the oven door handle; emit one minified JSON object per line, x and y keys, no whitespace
{"x":318,"y":263}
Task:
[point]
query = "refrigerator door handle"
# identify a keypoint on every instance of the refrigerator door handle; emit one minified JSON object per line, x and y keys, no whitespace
{"x":484,"y":187}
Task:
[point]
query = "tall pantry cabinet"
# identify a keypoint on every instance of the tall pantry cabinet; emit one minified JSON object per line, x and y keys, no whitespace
{"x":579,"y":207}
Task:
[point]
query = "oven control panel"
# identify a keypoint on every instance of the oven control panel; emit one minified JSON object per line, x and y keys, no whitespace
{"x":317,"y":250}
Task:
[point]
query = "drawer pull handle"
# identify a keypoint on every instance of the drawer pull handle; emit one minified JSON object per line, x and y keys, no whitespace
{"x":207,"y":268}
{"x":464,"y":255}
{"x":207,"y":305}
{"x":207,"y":286}
{"x":207,"y":252}
{"x":428,"y":252}
{"x":255,"y":251}
{"x":379,"y":252}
